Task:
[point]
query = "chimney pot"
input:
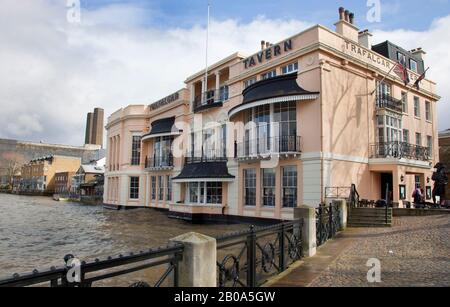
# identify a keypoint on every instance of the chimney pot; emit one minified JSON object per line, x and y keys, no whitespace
{"x":352,"y":18}
{"x":267,"y":44}
{"x":341,"y":13}
{"x":347,"y":13}
{"x":263,"y":44}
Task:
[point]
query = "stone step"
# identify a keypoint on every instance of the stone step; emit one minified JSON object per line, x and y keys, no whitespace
{"x":368,"y":225}
{"x":369,"y":222}
{"x":370,"y":215}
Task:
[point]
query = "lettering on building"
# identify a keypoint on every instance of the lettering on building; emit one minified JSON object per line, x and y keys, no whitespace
{"x":165,"y":101}
{"x":268,"y":54}
{"x":368,"y":55}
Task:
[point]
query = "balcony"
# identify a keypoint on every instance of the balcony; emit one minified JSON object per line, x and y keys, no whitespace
{"x":159,"y":163}
{"x":210,"y":99}
{"x":390,"y":103}
{"x":399,"y":150}
{"x":217,"y":155}
{"x":264,"y":148}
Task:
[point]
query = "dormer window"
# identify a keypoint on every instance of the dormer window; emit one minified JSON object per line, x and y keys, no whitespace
{"x":401,"y":58}
{"x":413,"y":65}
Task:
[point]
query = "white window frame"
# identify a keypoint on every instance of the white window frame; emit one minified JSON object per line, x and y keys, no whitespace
{"x":415,"y":68}
{"x":269,"y":74}
{"x":250,"y":82}
{"x":290,"y":68}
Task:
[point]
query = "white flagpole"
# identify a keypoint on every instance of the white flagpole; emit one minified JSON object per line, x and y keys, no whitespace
{"x":206,"y":54}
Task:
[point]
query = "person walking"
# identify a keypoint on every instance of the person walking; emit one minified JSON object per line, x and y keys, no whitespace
{"x":417,"y":196}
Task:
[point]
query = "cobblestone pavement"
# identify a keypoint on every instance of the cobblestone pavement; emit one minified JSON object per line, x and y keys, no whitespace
{"x":414,"y":252}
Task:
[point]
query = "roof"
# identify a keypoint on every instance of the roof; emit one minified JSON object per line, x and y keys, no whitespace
{"x":93,"y":169}
{"x":285,"y":85}
{"x":278,"y":89}
{"x":205,"y":170}
{"x":162,"y":126}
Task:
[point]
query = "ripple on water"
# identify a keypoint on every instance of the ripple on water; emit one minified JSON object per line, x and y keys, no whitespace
{"x":37,"y":232}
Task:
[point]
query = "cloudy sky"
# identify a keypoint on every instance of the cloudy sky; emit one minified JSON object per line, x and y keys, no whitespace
{"x":52,"y":71}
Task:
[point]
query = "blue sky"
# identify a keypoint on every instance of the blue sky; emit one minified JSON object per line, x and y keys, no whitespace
{"x":411,"y":14}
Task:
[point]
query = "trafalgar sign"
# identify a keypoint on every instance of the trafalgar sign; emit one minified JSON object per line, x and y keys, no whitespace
{"x":268,"y":54}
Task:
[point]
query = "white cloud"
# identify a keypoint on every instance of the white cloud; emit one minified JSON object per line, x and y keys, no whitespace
{"x":60,"y":71}
{"x":55,"y":72}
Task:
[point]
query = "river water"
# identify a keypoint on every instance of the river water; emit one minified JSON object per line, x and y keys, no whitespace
{"x":37,"y":232}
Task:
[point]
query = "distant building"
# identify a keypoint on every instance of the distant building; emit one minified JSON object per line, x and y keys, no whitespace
{"x":88,"y":180}
{"x":444,"y":154}
{"x":38,"y":176}
{"x":63,"y":181}
{"x":15,"y":152}
{"x":94,"y":127}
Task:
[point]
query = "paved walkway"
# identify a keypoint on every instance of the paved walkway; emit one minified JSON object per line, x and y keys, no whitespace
{"x":414,"y":252}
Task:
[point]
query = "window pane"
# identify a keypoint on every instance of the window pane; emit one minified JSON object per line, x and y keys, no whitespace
{"x":134,"y":187}
{"x":136,"y":151}
{"x":250,"y":187}
{"x":268,"y":187}
{"x":289,"y":186}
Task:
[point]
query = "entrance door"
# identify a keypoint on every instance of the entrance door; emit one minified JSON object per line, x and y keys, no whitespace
{"x":387,"y":179}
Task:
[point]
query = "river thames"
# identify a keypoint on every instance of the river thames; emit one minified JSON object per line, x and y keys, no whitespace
{"x":37,"y":232}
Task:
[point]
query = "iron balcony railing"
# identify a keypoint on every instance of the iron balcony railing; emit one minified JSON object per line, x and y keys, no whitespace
{"x":206,"y":155}
{"x":266,"y":146}
{"x":157,"y":162}
{"x":210,"y":98}
{"x":400,"y":150}
{"x":389,"y":102}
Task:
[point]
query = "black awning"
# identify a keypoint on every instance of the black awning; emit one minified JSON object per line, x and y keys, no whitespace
{"x":285,"y":85}
{"x":205,"y":171}
{"x":274,"y":90}
{"x":162,"y":126}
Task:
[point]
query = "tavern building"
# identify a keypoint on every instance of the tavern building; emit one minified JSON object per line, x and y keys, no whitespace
{"x":284,"y":127}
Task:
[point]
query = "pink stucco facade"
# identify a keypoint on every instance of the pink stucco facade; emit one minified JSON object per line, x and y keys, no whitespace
{"x":336,"y":133}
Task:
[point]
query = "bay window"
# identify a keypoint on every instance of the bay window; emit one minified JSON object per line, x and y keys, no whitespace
{"x":205,"y":193}
{"x":271,"y":128}
{"x":162,"y":151}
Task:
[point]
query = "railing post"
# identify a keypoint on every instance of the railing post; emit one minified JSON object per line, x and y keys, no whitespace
{"x":308,"y":232}
{"x":251,"y":258}
{"x":330,"y":222}
{"x":282,"y":259}
{"x":198,"y":265}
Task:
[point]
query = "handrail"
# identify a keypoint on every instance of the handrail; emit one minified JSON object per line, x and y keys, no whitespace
{"x":58,"y":277}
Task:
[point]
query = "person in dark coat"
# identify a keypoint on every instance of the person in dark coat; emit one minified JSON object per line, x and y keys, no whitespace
{"x":440,"y":181}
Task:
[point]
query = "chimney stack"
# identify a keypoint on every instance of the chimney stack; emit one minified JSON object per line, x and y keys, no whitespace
{"x":263,"y":45}
{"x":345,"y":26}
{"x":268,"y":44}
{"x":419,"y":53}
{"x":365,"y":39}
